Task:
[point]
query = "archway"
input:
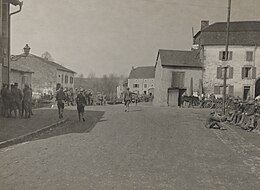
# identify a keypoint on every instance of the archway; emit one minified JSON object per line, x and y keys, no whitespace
{"x":257,"y":88}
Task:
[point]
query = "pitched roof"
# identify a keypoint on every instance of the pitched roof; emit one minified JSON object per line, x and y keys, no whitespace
{"x":142,"y":73}
{"x":240,"y":26}
{"x":179,"y":58}
{"x":58,"y":66}
{"x":18,"y":67}
{"x":240,"y":33}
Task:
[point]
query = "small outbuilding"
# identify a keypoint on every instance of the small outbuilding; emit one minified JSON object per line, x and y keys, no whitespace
{"x":176,"y":73}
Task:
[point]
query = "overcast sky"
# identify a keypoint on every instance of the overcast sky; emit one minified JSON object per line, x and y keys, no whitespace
{"x":111,"y":36}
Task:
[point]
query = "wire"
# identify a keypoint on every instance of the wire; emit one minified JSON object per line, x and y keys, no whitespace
{"x":185,"y":4}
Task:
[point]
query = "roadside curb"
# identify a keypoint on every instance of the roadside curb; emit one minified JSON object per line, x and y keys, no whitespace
{"x":29,"y":136}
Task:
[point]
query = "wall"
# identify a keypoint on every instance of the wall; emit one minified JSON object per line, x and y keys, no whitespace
{"x":150,"y":84}
{"x":44,"y":77}
{"x":163,"y":81}
{"x":64,"y":73}
{"x":212,"y":61}
{"x":16,"y":76}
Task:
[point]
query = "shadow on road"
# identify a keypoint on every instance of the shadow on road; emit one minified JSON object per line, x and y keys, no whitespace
{"x":73,"y":125}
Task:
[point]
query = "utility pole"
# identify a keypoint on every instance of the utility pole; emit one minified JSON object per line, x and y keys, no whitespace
{"x":226,"y":57}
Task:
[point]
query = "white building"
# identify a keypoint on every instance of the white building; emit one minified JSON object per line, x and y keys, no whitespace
{"x":141,"y":80}
{"x":243,"y":57}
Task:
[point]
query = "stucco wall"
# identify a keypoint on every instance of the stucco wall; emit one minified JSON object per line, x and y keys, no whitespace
{"x":149,"y":82}
{"x":163,"y":81}
{"x":16,"y":76}
{"x":64,"y":73}
{"x":212,"y":61}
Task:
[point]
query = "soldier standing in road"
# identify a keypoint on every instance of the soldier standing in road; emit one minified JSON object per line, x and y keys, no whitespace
{"x":18,"y":97}
{"x":81,"y":102}
{"x":27,"y":101}
{"x":60,"y":98}
{"x":127,"y":99}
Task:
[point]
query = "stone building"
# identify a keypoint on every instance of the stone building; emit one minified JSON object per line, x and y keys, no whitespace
{"x":20,"y":74}
{"x":141,"y":80}
{"x":243,"y":57}
{"x":176,"y":73}
{"x":46,"y":74}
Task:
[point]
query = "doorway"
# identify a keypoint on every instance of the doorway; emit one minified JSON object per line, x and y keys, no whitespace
{"x":257,"y":88}
{"x":246,"y":92}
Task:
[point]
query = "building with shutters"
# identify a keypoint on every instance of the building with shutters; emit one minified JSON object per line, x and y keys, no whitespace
{"x":46,"y":74}
{"x":176,"y":73}
{"x":243,"y":57}
{"x":141,"y":80}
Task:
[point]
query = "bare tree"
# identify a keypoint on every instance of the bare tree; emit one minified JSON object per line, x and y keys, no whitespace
{"x":46,"y":55}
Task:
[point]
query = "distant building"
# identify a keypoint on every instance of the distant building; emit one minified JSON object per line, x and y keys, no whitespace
{"x":141,"y":80}
{"x":243,"y":57}
{"x":121,"y":88}
{"x":47,"y":74}
{"x":176,"y":73}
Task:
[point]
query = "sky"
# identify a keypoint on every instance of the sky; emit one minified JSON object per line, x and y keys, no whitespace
{"x":111,"y":36}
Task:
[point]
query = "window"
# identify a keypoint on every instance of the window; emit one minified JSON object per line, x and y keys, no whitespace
{"x":218,"y":90}
{"x":62,"y":78}
{"x":248,"y":72}
{"x":145,"y":85}
{"x":249,"y":56}
{"x":66,"y":79}
{"x":222,"y":55}
{"x":136,"y":85}
{"x":220,"y":72}
{"x":178,"y":79}
{"x":71,"y":80}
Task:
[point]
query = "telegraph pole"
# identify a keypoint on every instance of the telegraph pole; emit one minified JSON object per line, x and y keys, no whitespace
{"x":226,"y":56}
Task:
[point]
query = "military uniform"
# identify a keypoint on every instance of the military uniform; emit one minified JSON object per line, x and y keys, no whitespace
{"x":81,"y":102}
{"x":60,"y":98}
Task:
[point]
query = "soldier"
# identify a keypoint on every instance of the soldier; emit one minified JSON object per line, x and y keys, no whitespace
{"x":127,"y":99}
{"x":27,"y":100}
{"x":81,"y":102}
{"x":60,"y":98}
{"x":5,"y":94}
{"x":18,"y":97}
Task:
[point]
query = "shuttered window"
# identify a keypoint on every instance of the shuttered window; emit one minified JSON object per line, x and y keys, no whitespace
{"x":249,"y":56}
{"x":222,"y":55}
{"x":219,"y":72}
{"x":248,"y":72}
{"x":216,"y":89}
{"x":231,"y":90}
{"x":230,"y":72}
{"x":178,"y":79}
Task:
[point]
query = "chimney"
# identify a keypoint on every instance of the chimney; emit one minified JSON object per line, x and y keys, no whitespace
{"x":204,"y":24}
{"x":26,"y":49}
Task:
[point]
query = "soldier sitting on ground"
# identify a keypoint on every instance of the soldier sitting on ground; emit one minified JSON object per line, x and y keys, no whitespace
{"x":215,"y":121}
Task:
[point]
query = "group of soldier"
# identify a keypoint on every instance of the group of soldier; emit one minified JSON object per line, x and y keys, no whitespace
{"x":244,"y":114}
{"x":16,"y":100}
{"x":83,"y":98}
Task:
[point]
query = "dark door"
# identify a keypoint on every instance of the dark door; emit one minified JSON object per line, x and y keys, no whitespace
{"x":257,"y":88}
{"x":246,"y":92}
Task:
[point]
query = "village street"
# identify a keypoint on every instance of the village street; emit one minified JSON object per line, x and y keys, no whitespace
{"x":146,"y":148}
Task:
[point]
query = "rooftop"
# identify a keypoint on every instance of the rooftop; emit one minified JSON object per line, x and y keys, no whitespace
{"x":240,"y":33}
{"x":179,"y":58}
{"x":146,"y":72}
